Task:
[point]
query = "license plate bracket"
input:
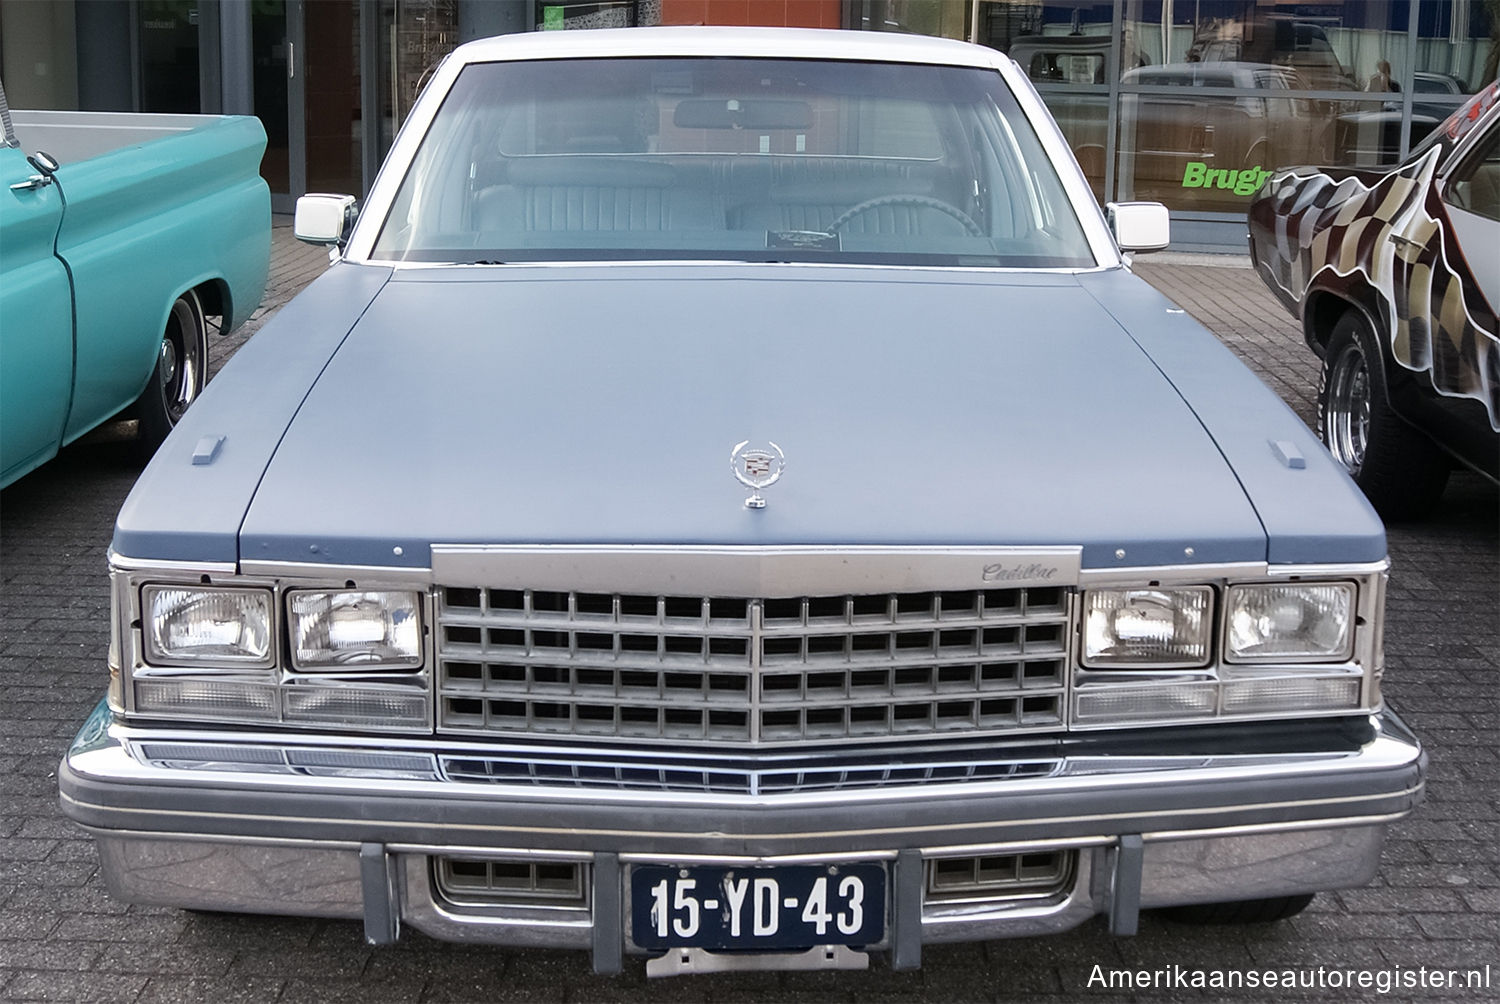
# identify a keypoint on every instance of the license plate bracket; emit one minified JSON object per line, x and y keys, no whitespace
{"x":758,"y":908}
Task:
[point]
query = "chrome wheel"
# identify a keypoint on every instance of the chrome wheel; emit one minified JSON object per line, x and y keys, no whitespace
{"x":1348,"y":408}
{"x":180,"y":369}
{"x":178,"y":377}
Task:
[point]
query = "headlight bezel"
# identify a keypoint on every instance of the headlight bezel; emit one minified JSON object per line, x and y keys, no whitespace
{"x":275,"y":694}
{"x":1347,"y":682}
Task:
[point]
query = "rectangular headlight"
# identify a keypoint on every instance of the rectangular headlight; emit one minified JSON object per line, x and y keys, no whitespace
{"x":202,"y":626}
{"x":1279,"y":622}
{"x":1144,"y":628}
{"x":355,"y":630}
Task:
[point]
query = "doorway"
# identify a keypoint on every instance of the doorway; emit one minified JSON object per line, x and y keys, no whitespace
{"x":305,"y":83}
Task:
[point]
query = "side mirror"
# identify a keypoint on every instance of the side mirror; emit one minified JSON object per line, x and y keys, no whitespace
{"x":46,"y":166}
{"x":324,"y":219}
{"x":44,"y":162}
{"x":1139,"y":226}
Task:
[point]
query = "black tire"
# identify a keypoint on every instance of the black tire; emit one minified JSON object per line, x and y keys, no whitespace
{"x":1249,"y":911}
{"x":1400,"y":471}
{"x":179,"y":375}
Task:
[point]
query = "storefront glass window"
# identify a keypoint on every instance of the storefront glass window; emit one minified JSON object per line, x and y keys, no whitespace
{"x":415,"y":35}
{"x":1349,"y":46}
{"x":270,"y":50}
{"x":555,"y":15}
{"x":331,"y":106}
{"x":1009,"y":25}
{"x":1065,"y":48}
{"x":1084,"y":120}
{"x":38,"y":55}
{"x":1458,"y":52}
{"x":1216,"y":96}
{"x":169,"y":56}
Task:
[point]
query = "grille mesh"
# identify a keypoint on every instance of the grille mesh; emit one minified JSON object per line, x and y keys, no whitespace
{"x":715,"y":670}
{"x":725,"y":776}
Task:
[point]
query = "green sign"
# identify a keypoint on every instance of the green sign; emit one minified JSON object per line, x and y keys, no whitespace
{"x":1246,"y":181}
{"x":552,"y":18}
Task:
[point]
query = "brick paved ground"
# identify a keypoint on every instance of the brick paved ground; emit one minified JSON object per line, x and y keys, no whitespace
{"x":1436,"y":901}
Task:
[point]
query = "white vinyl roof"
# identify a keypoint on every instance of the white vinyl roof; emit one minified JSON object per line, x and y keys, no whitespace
{"x":784,"y":43}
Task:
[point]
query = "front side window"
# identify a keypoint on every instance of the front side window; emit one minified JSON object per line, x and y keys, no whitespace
{"x":732,"y":159}
{"x":1475,"y":184}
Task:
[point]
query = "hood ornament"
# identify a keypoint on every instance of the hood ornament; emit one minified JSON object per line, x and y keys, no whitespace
{"x":757,"y":468}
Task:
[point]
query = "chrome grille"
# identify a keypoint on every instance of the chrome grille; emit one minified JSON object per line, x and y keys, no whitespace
{"x":737,"y":671}
{"x":728,"y":776}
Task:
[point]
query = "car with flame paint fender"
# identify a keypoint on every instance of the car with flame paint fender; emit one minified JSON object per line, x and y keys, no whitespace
{"x":1395,"y":276}
{"x":730,"y":503}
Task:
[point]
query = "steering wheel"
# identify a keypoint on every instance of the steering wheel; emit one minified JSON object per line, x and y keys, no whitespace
{"x":921,"y":201}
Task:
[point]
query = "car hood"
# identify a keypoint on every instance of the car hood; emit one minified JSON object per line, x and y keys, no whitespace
{"x":591,"y":405}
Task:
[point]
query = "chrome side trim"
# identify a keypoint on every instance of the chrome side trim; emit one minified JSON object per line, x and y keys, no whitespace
{"x":1328,"y":571}
{"x":751,"y":860}
{"x":327,"y":574}
{"x":1291,"y":826}
{"x":1137,"y":575}
{"x":1013,"y":847}
{"x":509,"y":853}
{"x":125,"y":563}
{"x":944,"y":273}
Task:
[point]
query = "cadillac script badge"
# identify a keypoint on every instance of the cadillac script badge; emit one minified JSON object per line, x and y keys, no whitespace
{"x":757,"y":468}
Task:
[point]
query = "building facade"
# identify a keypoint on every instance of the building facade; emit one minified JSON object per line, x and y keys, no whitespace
{"x":1187,"y":102}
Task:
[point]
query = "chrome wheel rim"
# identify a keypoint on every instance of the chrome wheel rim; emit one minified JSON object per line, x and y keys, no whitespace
{"x":1349,"y":408}
{"x":181,"y":359}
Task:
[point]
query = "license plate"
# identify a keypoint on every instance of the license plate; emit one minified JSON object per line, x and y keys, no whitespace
{"x":794,"y":906}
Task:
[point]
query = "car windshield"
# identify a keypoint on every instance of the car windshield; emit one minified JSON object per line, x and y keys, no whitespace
{"x":732,"y":159}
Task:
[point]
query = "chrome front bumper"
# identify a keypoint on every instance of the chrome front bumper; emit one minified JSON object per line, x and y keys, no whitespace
{"x":1144,"y":823}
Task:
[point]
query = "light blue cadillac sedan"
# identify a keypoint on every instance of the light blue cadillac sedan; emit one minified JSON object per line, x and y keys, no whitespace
{"x":730,"y":503}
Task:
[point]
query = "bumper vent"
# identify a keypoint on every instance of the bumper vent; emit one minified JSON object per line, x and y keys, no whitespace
{"x":478,"y":882}
{"x":999,"y":877}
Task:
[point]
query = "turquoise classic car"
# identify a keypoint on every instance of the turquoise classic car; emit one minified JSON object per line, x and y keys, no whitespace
{"x":119,"y":242}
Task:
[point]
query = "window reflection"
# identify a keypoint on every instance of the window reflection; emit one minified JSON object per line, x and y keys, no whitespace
{"x":1458,"y":52}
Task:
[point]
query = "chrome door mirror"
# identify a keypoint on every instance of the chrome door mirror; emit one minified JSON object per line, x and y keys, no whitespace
{"x":44,"y":162}
{"x":324,"y":219}
{"x":46,"y":166}
{"x":1139,"y":226}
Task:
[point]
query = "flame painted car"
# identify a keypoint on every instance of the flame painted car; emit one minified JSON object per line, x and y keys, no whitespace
{"x":731,"y":503}
{"x":1395,"y":277}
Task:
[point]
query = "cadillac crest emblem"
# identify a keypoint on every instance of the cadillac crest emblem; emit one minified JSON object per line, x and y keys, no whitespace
{"x":756,"y":468}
